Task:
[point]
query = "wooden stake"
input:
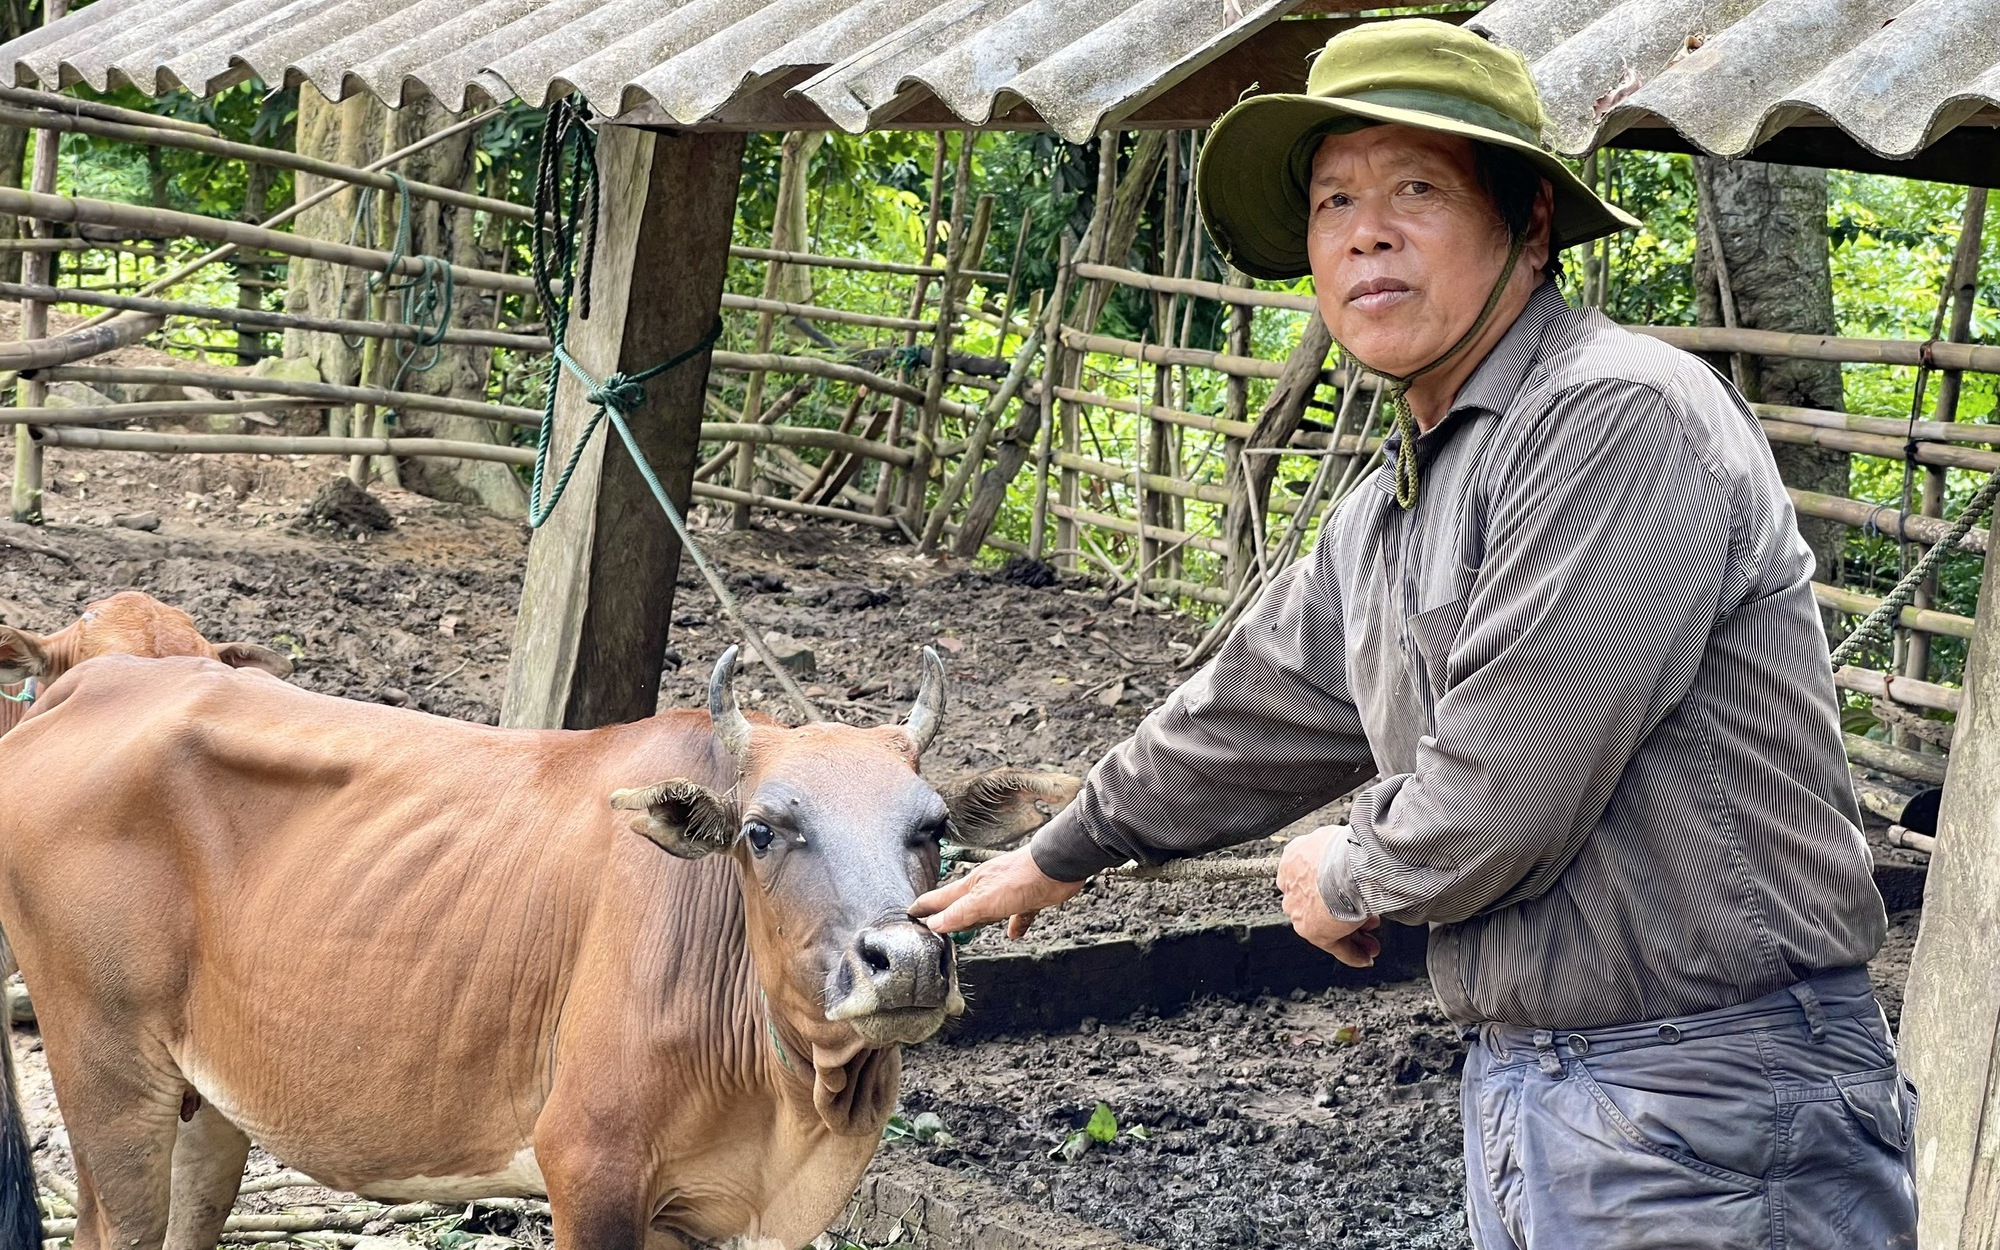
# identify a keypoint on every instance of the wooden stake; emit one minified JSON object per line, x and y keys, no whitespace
{"x":36,"y":268}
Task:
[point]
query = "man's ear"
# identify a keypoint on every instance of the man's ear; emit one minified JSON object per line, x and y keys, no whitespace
{"x":254,"y":655}
{"x":1003,"y":805}
{"x":22,"y":655}
{"x":681,"y":817}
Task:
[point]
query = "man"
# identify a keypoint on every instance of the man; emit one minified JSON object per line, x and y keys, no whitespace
{"x":1570,"y":624}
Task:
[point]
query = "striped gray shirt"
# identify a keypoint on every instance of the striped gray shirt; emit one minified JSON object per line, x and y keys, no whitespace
{"x":1589,"y":672}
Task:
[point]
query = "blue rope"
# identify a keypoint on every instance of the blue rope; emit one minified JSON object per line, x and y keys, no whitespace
{"x":27,"y":694}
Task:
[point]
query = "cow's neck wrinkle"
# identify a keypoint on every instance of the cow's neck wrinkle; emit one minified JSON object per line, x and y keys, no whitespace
{"x":834,"y":1086}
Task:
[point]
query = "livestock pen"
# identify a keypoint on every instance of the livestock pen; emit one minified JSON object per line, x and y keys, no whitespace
{"x":972,"y":419}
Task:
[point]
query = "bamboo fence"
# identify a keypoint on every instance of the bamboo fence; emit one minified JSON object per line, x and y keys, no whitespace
{"x":1152,"y":468}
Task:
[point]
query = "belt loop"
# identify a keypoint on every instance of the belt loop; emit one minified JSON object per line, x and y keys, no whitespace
{"x":1545,"y":1046}
{"x":1815,"y":1012}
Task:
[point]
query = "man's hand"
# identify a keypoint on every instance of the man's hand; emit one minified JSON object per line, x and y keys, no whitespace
{"x":1351,"y":942}
{"x":1009,"y":888}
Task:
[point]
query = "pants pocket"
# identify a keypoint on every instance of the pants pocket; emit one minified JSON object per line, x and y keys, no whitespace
{"x":1725,"y":1136}
{"x":1876,"y":1098}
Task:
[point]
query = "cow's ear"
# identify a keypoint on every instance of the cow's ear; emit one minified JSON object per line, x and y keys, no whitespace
{"x":1003,"y":805}
{"x":22,"y":655}
{"x":254,"y":655}
{"x":681,"y":817}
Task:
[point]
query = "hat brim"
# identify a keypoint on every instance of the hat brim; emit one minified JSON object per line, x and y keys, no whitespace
{"x":1256,"y":210}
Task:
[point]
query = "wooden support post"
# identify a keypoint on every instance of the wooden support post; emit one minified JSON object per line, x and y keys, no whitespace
{"x":1951,"y":1015}
{"x":599,"y":587}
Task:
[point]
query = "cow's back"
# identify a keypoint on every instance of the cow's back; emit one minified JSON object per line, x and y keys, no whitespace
{"x":319,"y":904}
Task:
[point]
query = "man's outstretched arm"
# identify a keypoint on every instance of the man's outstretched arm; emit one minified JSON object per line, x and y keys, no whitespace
{"x":1262,"y":735}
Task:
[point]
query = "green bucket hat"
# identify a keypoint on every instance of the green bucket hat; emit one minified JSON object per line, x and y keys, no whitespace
{"x":1413,"y":72}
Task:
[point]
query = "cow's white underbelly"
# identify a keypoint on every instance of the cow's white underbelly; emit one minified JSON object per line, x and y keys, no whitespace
{"x":521,"y":1178}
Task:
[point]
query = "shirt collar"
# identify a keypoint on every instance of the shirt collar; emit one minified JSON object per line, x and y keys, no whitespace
{"x":1499,"y":377}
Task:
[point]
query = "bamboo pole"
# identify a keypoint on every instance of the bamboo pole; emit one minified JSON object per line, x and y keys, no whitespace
{"x":1888,"y":427}
{"x":43,"y":207}
{"x":831,"y":463}
{"x":885,"y":486}
{"x":274,"y":444}
{"x":955,"y":258}
{"x":1219,"y":362}
{"x":975,"y":444}
{"x":818,"y":261}
{"x":708,"y":490}
{"x":1158,"y":412}
{"x":39,"y":268}
{"x":320,"y":196}
{"x":1879,"y":445}
{"x":1095,"y":250}
{"x":39,"y":353}
{"x":277,"y":158}
{"x":164,"y":410}
{"x":806,"y":436}
{"x":740,"y":362}
{"x":1884,"y":758}
{"x":785,"y":403}
{"x":837,"y":482}
{"x":90,"y":108}
{"x":1969,"y":357}
{"x":1238,"y":296}
{"x":326,"y":391}
{"x":1206,"y":492}
{"x":1883,"y":519}
{"x":1085,"y":516}
{"x":1857,"y":604}
{"x":1963,"y":282}
{"x":1899,"y":689}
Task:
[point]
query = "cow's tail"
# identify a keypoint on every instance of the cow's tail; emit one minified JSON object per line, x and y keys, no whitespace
{"x":20,"y":1215}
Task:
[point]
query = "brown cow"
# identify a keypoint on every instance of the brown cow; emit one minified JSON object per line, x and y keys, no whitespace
{"x":423,"y":959}
{"x":130,"y":622}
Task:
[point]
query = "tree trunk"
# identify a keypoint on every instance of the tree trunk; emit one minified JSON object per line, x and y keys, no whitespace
{"x":1771,"y":224}
{"x":356,"y":132}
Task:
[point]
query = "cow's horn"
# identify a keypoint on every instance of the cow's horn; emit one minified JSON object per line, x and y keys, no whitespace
{"x":731,"y":729}
{"x":927,"y":716}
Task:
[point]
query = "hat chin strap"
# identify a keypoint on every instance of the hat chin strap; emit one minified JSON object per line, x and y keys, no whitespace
{"x":1397,"y":389}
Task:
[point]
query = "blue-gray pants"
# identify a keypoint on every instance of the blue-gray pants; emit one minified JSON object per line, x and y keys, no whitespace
{"x":1782,"y":1123}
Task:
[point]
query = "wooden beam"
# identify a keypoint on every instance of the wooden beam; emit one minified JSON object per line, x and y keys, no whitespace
{"x":1951,"y":1014}
{"x":599,"y":586}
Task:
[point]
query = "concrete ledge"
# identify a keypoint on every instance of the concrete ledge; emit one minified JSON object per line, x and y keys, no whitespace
{"x":906,"y":1202}
{"x":1056,"y":987}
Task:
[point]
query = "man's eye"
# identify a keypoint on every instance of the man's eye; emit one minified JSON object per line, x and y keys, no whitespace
{"x":1418,"y":188}
{"x":1336,"y":200}
{"x":759,"y":835}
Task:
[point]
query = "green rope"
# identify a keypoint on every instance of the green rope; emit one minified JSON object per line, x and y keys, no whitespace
{"x":1396,"y":390}
{"x":27,"y":694}
{"x":1878,"y":625}
{"x":428,"y":296}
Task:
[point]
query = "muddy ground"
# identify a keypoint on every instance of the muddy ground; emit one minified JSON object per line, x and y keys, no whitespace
{"x":1326,"y":1121}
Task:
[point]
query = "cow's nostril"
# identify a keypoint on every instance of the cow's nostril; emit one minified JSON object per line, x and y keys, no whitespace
{"x":874,"y":954}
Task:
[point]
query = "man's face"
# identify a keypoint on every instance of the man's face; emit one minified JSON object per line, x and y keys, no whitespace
{"x":1405,"y":243}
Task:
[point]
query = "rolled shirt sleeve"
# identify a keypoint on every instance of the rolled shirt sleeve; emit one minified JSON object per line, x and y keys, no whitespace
{"x":1605,"y":566}
{"x":1265,"y":733}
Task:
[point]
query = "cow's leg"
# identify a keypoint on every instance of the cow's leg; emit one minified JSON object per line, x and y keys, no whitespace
{"x":599,"y":1192}
{"x":122,"y":1106}
{"x":209,"y":1153}
{"x":124,"y":1172}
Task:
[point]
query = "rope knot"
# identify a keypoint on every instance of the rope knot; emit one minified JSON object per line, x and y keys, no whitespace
{"x":618,"y":392}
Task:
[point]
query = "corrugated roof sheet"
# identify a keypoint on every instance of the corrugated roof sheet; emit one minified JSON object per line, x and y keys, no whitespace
{"x":1075,"y":62}
{"x":1730,"y":74}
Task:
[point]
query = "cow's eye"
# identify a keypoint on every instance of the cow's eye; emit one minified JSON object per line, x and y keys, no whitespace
{"x":759,"y":834}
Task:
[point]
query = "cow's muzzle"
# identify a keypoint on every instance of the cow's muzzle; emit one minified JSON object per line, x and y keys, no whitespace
{"x":895,"y":983}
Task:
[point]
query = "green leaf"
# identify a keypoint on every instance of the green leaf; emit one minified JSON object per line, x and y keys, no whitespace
{"x":927,"y":1126}
{"x":1103,"y":1126}
{"x":1139,"y":1132}
{"x":897,"y":1129}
